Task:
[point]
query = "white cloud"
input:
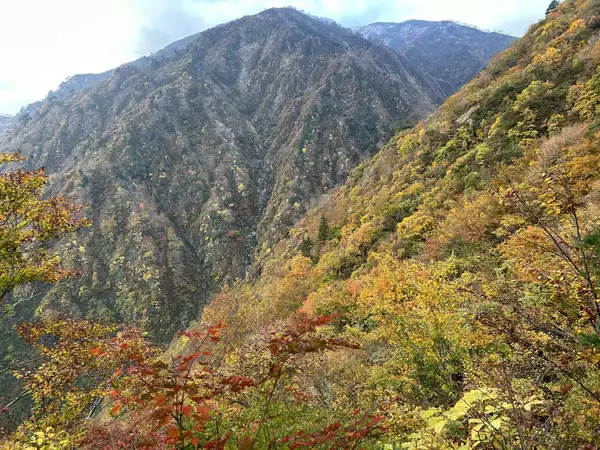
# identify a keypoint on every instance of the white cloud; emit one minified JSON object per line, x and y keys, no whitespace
{"x":42,"y":42}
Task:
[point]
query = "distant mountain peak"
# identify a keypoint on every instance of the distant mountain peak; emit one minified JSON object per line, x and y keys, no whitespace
{"x":428,"y":23}
{"x":448,"y":50}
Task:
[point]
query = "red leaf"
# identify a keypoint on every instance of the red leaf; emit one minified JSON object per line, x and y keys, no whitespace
{"x":187,"y":411}
{"x":97,"y":351}
{"x":116,"y":409}
{"x":204,"y":411}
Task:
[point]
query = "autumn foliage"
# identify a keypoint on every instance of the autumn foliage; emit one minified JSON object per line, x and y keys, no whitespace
{"x":446,"y":298}
{"x":29,"y":226}
{"x":106,"y":388}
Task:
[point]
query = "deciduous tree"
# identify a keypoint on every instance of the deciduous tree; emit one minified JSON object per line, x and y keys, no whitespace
{"x":30,"y":224}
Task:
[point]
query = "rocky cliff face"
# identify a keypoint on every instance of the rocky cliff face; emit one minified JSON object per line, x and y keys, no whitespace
{"x":446,"y":50}
{"x":190,"y":163}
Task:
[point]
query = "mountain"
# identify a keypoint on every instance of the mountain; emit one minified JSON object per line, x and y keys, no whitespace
{"x":463,"y":260}
{"x":192,"y":162}
{"x":5,"y":123}
{"x":446,"y":62}
{"x":79,"y":82}
{"x":444,"y":296}
{"x":446,"y":50}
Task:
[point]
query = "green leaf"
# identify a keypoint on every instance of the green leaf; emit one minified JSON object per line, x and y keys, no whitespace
{"x":437,"y":424}
{"x":497,"y":423}
{"x":429,"y":413}
{"x":590,"y":340}
{"x":459,"y":410}
{"x":478,"y":395}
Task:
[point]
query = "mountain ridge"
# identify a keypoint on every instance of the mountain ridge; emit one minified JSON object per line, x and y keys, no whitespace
{"x":192,"y":163}
{"x":446,"y":50}
{"x":78,"y":82}
{"x":433,"y":22}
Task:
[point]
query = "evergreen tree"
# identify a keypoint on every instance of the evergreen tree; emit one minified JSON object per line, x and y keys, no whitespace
{"x":323,"y":234}
{"x":553,"y":5}
{"x":306,"y":247}
{"x":84,"y":179}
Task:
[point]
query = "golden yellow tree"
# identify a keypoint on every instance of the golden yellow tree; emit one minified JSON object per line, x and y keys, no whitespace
{"x":30,"y":225}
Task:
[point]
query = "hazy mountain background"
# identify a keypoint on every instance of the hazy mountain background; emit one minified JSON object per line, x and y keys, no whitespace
{"x":446,"y":50}
{"x":5,"y":123}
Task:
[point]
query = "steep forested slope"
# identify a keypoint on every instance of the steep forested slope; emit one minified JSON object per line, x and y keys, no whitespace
{"x":5,"y":123}
{"x":446,"y":50}
{"x":446,"y":297}
{"x":187,"y":163}
{"x":464,"y":259}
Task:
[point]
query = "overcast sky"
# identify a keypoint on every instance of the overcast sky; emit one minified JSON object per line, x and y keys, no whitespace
{"x":42,"y":42}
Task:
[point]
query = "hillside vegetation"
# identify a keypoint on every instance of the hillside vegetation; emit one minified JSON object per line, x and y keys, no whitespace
{"x":5,"y":123}
{"x":445,"y":297}
{"x":189,"y":163}
{"x":463,"y":260}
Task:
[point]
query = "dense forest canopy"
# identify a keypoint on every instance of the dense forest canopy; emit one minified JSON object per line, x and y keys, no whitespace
{"x":444,"y":297}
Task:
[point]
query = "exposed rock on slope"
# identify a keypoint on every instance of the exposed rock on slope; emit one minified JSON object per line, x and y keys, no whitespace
{"x":446,"y":50}
{"x":188,"y":163}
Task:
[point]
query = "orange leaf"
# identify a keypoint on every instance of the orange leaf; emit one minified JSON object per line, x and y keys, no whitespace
{"x":97,"y":351}
{"x":173,"y":432}
{"x":187,"y":411}
{"x":194,"y":441}
{"x":116,"y":409}
{"x":160,"y":399}
{"x":165,"y":420}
